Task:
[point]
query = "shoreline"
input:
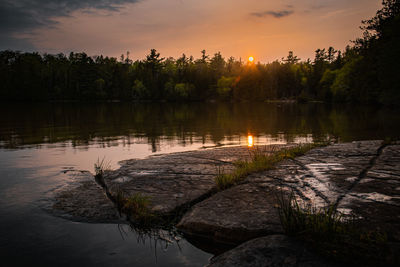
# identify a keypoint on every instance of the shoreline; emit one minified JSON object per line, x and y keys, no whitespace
{"x":180,"y":183}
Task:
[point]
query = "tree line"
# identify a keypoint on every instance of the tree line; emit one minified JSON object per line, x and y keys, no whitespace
{"x":365,"y":72}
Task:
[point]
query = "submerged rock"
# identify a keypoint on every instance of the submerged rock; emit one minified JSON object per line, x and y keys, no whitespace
{"x":273,"y":250}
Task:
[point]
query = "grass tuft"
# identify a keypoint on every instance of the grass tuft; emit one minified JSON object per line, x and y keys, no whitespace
{"x":100,"y":167}
{"x":137,"y":204}
{"x":260,"y":160}
{"x":136,"y":208}
{"x":301,"y":219}
{"x":334,"y":235}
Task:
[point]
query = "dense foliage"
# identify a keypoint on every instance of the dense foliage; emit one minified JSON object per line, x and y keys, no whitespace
{"x":366,"y":72}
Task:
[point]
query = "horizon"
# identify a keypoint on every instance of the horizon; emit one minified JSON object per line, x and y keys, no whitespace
{"x":266,"y":31}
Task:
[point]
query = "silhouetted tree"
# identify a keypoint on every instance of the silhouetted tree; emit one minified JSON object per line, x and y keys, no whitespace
{"x":366,"y":72}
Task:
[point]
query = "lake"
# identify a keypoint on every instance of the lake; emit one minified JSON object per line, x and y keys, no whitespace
{"x":40,"y":144}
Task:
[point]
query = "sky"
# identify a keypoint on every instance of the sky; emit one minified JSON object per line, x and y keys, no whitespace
{"x":264,"y":29}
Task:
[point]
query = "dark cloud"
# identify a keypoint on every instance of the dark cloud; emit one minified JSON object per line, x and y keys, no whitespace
{"x":275,"y":14}
{"x":22,"y":16}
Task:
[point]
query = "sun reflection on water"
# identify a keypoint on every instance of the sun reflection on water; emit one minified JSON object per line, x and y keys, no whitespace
{"x":250,"y":141}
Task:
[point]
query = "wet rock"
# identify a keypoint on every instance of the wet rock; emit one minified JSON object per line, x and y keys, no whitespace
{"x":360,"y":177}
{"x":376,"y":197}
{"x":274,"y":250}
{"x":235,"y":215}
{"x":333,"y":170}
{"x":323,"y":176}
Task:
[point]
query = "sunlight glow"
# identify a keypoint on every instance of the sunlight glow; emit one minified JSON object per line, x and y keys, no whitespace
{"x":250,"y":141}
{"x":251,"y":59}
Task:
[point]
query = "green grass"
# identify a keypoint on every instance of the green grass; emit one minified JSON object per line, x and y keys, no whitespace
{"x":260,"y":160}
{"x":334,"y":235}
{"x":136,"y":207}
{"x":300,"y":219}
{"x":100,"y":167}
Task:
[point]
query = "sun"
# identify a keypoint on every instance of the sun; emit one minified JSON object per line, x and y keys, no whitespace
{"x":251,"y":59}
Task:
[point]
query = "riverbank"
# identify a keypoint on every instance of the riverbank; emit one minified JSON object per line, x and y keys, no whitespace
{"x":359,"y":178}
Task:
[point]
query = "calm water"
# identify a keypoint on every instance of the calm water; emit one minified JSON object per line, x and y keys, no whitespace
{"x":39,"y":142}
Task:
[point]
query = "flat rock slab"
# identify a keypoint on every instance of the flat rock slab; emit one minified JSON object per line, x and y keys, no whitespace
{"x":360,"y":177}
{"x":174,"y":180}
{"x":170,"y":180}
{"x":375,"y":197}
{"x":323,"y":176}
{"x":273,"y":250}
{"x":234,"y":215}
{"x":84,"y":200}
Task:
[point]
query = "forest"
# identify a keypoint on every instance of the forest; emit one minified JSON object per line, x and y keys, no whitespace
{"x":367,"y":71}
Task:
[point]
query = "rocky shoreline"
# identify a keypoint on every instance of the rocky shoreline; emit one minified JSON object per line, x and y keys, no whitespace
{"x":361,"y":178}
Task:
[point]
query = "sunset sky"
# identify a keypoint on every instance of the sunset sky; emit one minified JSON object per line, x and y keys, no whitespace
{"x":264,"y":29}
